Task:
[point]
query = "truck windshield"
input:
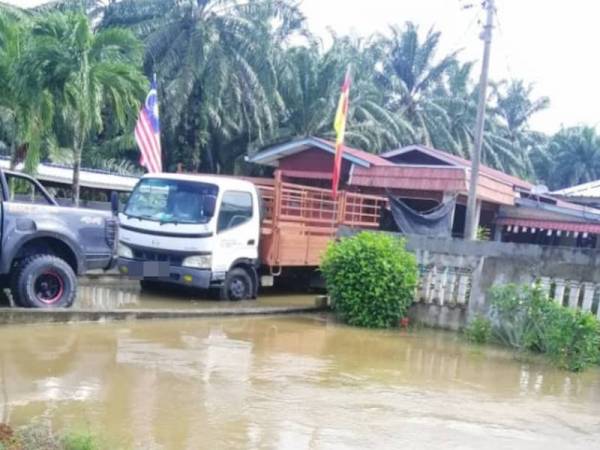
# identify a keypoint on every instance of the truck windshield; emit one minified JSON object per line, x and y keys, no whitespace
{"x":172,"y":201}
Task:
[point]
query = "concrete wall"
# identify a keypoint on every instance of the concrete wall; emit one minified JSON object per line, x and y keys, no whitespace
{"x":456,"y":276}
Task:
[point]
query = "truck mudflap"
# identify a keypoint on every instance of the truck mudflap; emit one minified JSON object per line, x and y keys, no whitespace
{"x":162,"y":271}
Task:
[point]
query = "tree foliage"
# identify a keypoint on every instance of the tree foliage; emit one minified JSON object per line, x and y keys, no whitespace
{"x":84,"y":72}
{"x":572,"y":157}
{"x":235,"y":76}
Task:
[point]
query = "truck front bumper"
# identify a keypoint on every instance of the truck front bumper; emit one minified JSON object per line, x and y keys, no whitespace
{"x":159,"y":271}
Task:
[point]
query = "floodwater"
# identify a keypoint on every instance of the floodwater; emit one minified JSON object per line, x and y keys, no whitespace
{"x":290,"y":383}
{"x":127,"y":295}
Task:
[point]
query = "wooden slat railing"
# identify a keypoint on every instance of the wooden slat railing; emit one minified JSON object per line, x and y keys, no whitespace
{"x":299,"y":220}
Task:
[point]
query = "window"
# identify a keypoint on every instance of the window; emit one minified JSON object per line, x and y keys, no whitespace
{"x":24,"y":190}
{"x":236,"y":209}
{"x":172,"y":201}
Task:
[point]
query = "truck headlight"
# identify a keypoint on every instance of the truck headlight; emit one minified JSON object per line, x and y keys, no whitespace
{"x":198,"y":261}
{"x":124,"y":252}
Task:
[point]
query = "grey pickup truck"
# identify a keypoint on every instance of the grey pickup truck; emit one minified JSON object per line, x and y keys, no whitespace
{"x":44,"y":246}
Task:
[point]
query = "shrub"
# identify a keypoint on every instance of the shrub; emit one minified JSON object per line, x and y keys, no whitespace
{"x":371,"y":278}
{"x":80,"y":440}
{"x":479,"y":330}
{"x":38,"y":434}
{"x":516,"y":312}
{"x":526,"y":319}
{"x":571,"y":338}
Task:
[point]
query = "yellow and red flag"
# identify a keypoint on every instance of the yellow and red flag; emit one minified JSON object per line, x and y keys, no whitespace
{"x":339,"y":126}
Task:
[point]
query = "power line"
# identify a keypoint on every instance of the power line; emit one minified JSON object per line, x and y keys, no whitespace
{"x":474,"y":19}
{"x":502,"y":38}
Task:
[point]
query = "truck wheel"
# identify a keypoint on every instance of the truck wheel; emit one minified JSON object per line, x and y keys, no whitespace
{"x":44,"y":281}
{"x":237,"y":285}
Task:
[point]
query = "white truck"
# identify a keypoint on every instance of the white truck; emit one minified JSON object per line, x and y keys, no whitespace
{"x":197,"y":231}
{"x":220,"y":233}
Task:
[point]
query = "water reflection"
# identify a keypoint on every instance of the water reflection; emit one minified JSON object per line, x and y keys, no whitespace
{"x":290,"y":383}
{"x":107,"y":297}
{"x":127,"y":295}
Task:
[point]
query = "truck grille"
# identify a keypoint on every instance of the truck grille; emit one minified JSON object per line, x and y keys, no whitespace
{"x":110,"y":232}
{"x":149,"y":255}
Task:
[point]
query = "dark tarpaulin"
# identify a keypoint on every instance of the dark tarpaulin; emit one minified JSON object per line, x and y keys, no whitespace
{"x":435,"y":222}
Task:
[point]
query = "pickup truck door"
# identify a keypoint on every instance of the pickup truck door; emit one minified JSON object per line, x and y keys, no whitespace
{"x":238,"y":227}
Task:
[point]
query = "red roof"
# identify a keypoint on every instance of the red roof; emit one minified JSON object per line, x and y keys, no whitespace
{"x":375,"y":160}
{"x":457,"y":160}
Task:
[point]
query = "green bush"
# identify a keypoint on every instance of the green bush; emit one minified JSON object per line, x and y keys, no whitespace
{"x":38,"y":434}
{"x":526,"y":319}
{"x":571,"y":338}
{"x":80,"y":440}
{"x":479,"y":330}
{"x":516,"y":312}
{"x":371,"y":279}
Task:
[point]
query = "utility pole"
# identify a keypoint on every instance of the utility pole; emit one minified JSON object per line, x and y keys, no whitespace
{"x":473,"y":211}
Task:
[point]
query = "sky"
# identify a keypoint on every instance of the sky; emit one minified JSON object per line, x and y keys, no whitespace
{"x":550,"y":43}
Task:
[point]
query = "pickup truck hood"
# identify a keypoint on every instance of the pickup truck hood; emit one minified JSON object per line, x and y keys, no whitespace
{"x":86,"y":215}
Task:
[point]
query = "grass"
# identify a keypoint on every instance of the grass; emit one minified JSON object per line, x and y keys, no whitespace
{"x":38,"y":434}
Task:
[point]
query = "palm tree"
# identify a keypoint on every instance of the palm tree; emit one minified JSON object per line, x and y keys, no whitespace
{"x":515,"y":107}
{"x":408,"y":72}
{"x":457,"y":95}
{"x":85,"y":72}
{"x":94,"y":9}
{"x":25,"y":111}
{"x":214,"y":60}
{"x":573,"y":157}
{"x":309,"y":83}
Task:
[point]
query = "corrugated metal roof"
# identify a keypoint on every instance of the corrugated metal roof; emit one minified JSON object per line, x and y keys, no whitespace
{"x":589,"y":190}
{"x":271,"y":155}
{"x":373,"y":159}
{"x":461,"y":162}
{"x":88,"y":178}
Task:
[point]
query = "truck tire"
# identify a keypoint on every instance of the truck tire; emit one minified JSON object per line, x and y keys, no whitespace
{"x":237,"y":286}
{"x":44,"y":281}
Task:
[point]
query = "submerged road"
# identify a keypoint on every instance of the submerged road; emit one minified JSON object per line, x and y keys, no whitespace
{"x":123,"y":300}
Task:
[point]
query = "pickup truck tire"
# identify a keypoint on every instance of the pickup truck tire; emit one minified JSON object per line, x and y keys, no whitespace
{"x":237,"y":285}
{"x":44,"y":281}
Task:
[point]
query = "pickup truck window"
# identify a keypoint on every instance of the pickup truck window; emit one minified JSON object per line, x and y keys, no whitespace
{"x":24,"y":190}
{"x":172,"y":201}
{"x":236,"y":209}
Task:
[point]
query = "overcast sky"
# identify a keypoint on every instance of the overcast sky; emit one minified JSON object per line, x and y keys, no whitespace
{"x":552,"y":43}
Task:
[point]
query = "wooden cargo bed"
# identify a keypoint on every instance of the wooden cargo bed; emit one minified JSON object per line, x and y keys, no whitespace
{"x":299,"y":221}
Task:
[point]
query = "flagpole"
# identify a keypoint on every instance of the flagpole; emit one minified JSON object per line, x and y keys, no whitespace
{"x":339,"y":125}
{"x":155,"y":83}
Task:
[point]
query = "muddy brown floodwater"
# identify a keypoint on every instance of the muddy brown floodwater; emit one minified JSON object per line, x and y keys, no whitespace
{"x":290,"y":383}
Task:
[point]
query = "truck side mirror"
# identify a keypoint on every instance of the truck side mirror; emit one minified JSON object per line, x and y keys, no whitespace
{"x":114,"y":203}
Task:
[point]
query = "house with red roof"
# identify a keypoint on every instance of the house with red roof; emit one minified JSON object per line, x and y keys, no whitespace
{"x":512,"y":209}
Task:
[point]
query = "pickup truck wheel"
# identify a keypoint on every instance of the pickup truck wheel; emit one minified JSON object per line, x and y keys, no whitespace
{"x":237,"y":285}
{"x":44,"y":281}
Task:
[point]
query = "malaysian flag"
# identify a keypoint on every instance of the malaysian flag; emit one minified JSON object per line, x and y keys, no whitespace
{"x":147,"y":132}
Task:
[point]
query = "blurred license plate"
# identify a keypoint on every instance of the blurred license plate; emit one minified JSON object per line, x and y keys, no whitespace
{"x":155,"y":269}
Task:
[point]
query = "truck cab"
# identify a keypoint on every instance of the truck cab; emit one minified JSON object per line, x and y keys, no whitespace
{"x":44,"y":246}
{"x":192,"y":230}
